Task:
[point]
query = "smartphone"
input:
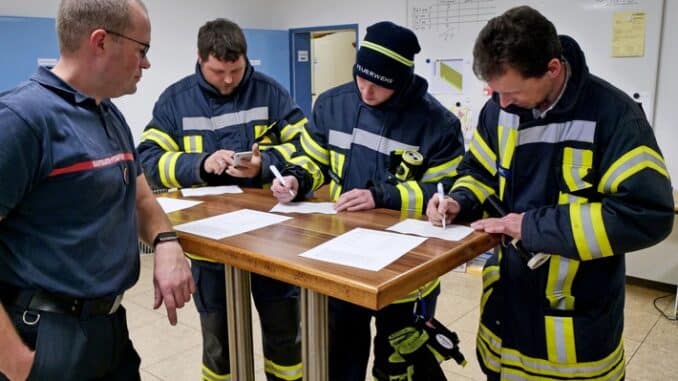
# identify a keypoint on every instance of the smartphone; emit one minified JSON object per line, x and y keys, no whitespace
{"x":246,"y":155}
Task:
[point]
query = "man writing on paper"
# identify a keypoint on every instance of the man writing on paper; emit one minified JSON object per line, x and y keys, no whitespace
{"x":198,"y":125}
{"x":381,"y":142}
{"x":73,"y":203}
{"x":576,"y":165}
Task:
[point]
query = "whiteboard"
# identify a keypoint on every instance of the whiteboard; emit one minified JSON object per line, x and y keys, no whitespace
{"x":447,"y":30}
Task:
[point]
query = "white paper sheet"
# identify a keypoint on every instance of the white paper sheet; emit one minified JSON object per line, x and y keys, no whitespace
{"x":426,"y":229}
{"x":208,"y":191}
{"x":170,"y":205}
{"x":305,"y":207}
{"x":230,"y":224}
{"x":364,"y":248}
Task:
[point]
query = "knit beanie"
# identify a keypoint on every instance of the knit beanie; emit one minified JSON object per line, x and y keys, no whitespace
{"x":386,"y":55}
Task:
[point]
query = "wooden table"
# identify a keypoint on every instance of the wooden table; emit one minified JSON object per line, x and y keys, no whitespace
{"x":273,"y":251}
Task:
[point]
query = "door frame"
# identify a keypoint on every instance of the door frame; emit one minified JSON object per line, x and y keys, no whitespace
{"x":300,"y":76}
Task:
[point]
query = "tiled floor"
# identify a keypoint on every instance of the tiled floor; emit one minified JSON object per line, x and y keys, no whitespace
{"x":174,"y":353}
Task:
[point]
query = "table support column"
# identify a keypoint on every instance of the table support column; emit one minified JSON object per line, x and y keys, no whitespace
{"x":239,"y":312}
{"x":314,"y":335}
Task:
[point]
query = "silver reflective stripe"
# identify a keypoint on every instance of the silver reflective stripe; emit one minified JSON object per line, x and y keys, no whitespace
{"x":379,"y":143}
{"x":589,"y":232}
{"x":411,"y":194}
{"x":578,"y":161}
{"x":225,"y":120}
{"x":573,"y":370}
{"x":637,"y":159}
{"x":486,"y":158}
{"x":339,"y":139}
{"x":563,"y":267}
{"x":508,"y":120}
{"x":576,"y":130}
{"x":559,"y":332}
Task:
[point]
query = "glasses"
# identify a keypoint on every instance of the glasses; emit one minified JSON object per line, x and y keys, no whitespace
{"x":146,"y":46}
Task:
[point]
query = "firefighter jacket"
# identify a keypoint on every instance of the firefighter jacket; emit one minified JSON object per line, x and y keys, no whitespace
{"x":191,"y":120}
{"x":353,"y":145}
{"x":592,"y":184}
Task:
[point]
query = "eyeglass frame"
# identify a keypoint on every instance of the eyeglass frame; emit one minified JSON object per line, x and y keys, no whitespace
{"x":146,"y":46}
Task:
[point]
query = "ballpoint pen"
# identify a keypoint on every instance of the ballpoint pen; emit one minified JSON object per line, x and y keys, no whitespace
{"x":278,"y":176}
{"x":441,"y":197}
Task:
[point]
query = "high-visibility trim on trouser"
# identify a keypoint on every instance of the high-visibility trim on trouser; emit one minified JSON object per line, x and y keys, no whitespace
{"x":209,"y":375}
{"x":510,"y":361}
{"x":283,"y":372}
{"x":420,"y":292}
{"x":199,"y":258}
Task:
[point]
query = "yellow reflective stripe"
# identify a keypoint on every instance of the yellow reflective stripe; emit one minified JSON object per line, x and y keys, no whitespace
{"x":335,"y":190}
{"x":260,"y":130}
{"x":209,"y":375}
{"x":286,"y":150}
{"x":289,"y":132}
{"x":312,"y":168}
{"x":560,"y":339}
{"x":421,"y":291}
{"x":387,"y":52}
{"x":569,"y":198}
{"x":483,"y":299}
{"x":629,"y":164}
{"x":167,"y":167}
{"x":337,"y":160}
{"x":285,"y":372}
{"x":559,"y":282}
{"x":489,"y":358}
{"x":193,"y":143}
{"x":508,"y":137}
{"x":313,"y":149}
{"x":544,"y":368}
{"x":490,"y":275}
{"x":199,"y":258}
{"x":576,"y":165}
{"x":589,"y":232}
{"x":480,"y":190}
{"x":483,"y":153}
{"x":411,"y":196}
{"x":502,"y":187}
{"x":446,"y":169}
{"x":160,"y":138}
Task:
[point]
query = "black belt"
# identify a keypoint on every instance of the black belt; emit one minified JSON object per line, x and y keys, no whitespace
{"x":43,"y":301}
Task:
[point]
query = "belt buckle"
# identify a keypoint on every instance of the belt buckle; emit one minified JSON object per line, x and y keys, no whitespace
{"x":116,"y":304}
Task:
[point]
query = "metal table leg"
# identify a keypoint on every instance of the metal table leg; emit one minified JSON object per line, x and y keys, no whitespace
{"x":314,"y":337}
{"x":239,"y":312}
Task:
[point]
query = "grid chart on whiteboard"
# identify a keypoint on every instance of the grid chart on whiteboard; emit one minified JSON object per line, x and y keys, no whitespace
{"x":444,"y":16}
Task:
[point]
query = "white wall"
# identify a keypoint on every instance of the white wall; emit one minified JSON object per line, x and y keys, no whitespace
{"x":174,"y":31}
{"x":666,"y":112}
{"x":332,"y":56}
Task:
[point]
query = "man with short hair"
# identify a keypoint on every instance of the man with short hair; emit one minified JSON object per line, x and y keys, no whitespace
{"x":381,"y":141}
{"x":198,"y":125}
{"x":76,"y":205}
{"x":576,"y":166}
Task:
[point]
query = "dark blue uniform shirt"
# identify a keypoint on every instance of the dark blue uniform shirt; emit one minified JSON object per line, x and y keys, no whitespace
{"x":67,"y":200}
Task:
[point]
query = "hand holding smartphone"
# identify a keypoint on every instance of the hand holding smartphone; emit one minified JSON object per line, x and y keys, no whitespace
{"x":239,"y":156}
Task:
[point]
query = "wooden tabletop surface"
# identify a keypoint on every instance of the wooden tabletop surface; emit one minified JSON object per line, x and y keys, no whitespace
{"x":274,"y":250}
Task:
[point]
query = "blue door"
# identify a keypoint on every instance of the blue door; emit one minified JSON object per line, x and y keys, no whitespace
{"x":301,"y":69}
{"x":268,"y":51}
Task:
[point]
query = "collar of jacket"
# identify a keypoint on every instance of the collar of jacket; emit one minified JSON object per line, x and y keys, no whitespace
{"x":579,"y":74}
{"x":210,"y":90}
{"x":401,"y":98}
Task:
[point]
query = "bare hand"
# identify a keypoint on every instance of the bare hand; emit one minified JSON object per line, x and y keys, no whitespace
{"x":247,"y":168}
{"x":281,"y":192}
{"x":172,"y":278}
{"x":509,"y":225}
{"x":21,"y":365}
{"x":218,"y":162}
{"x":354,"y":200}
{"x":438,"y":209}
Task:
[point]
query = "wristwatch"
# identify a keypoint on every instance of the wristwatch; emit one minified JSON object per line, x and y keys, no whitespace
{"x":164,"y":237}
